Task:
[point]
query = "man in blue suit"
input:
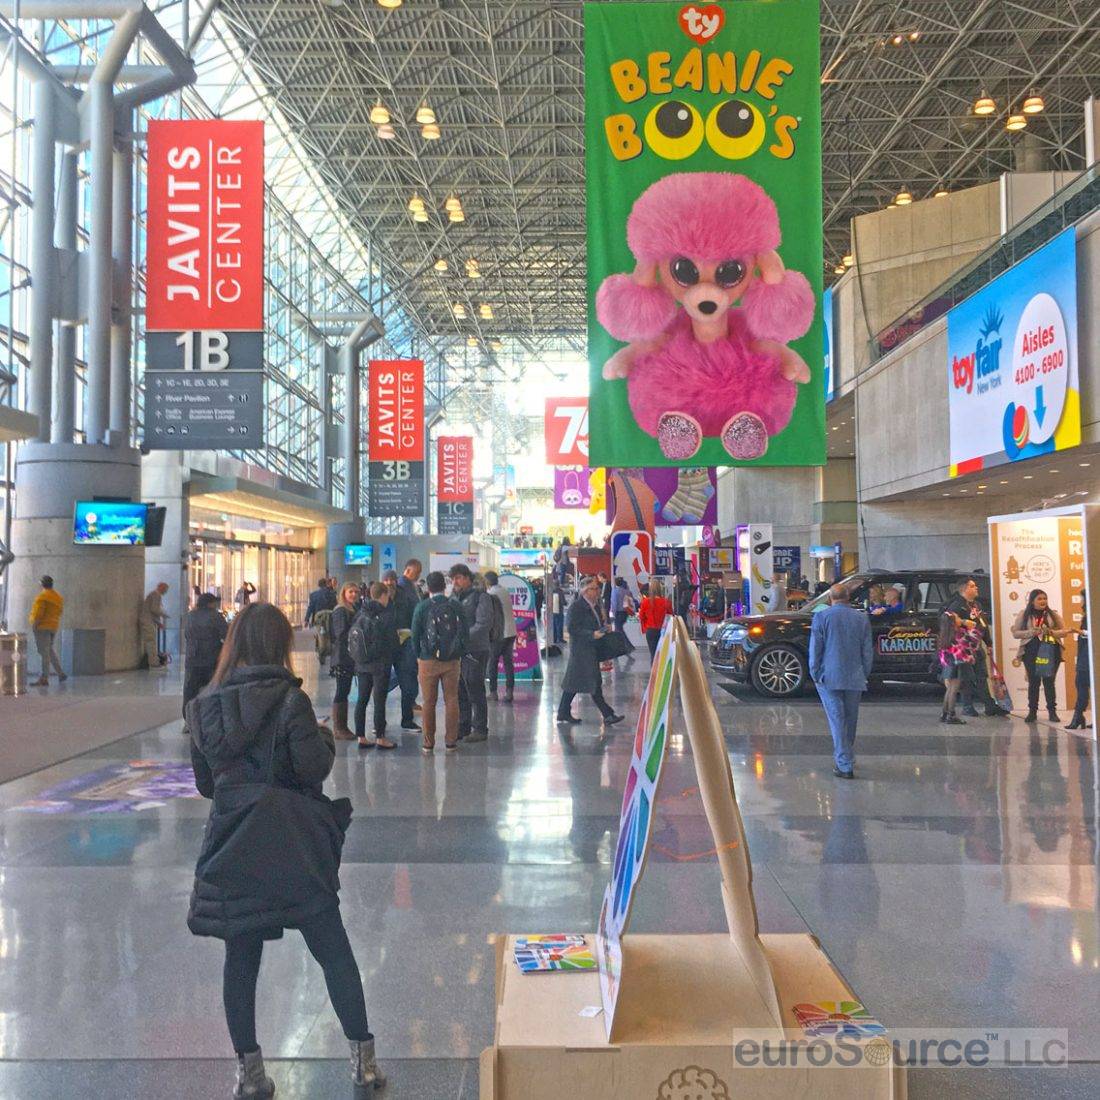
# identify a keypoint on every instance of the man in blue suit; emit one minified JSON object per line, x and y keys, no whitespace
{"x":841,"y":655}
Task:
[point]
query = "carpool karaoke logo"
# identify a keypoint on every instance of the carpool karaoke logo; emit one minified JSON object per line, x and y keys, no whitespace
{"x":981,"y":368}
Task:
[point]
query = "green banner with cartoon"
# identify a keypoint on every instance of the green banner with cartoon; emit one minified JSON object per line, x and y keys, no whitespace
{"x":703,"y":153}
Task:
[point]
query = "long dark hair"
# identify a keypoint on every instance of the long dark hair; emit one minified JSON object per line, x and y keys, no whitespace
{"x":260,"y":635}
{"x":1030,"y":609}
{"x":948,"y":629}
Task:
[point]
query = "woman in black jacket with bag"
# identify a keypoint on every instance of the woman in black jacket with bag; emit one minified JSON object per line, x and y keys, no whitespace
{"x":586,"y":625}
{"x":271,"y":852}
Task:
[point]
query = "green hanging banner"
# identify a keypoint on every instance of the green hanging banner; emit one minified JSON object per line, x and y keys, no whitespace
{"x":703,"y":153}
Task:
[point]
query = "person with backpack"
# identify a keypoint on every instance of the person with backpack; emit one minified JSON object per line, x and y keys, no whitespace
{"x":372,"y":644}
{"x":340,"y":623}
{"x":439,"y":640}
{"x":505,"y":648}
{"x":482,"y":614}
{"x":322,"y":598}
{"x":260,"y":755}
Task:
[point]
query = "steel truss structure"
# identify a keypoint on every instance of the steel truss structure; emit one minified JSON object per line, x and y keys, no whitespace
{"x":504,"y":78}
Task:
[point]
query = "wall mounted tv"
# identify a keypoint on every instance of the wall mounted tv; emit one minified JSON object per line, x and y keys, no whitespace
{"x":357,"y":553}
{"x":109,"y":523}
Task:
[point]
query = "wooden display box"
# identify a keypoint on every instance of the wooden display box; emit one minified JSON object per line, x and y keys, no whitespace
{"x":688,"y":1004}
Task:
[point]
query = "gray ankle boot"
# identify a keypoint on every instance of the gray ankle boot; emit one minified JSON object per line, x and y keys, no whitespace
{"x":366,"y":1075}
{"x":252,"y":1082}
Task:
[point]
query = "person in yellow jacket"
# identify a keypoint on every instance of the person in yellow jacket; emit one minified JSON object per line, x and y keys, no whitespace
{"x":45,"y":618}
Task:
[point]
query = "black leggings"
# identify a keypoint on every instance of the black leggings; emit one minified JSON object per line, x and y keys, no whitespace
{"x":344,"y":677}
{"x":328,"y":944}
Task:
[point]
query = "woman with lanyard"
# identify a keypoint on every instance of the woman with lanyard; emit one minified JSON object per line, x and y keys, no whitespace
{"x":1037,"y":626}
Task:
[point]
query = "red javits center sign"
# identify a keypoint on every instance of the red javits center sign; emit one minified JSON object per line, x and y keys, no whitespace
{"x":205,"y":226}
{"x":396,"y":441}
{"x":455,"y":491}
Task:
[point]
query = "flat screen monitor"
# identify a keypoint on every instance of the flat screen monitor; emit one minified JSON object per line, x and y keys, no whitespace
{"x":357,"y":553}
{"x":109,"y":523}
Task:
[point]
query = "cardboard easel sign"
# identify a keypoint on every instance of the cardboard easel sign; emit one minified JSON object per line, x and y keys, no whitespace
{"x":678,"y":1011}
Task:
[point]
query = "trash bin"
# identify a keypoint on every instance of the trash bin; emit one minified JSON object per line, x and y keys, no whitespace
{"x":13,"y":664}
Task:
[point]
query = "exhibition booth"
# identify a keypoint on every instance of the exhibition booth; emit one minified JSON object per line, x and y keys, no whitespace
{"x":1058,"y":551}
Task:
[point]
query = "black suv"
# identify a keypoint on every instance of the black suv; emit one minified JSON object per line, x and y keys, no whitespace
{"x":772,"y":652}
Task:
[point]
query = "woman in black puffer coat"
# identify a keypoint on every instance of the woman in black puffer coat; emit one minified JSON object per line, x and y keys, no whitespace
{"x":270,"y":860}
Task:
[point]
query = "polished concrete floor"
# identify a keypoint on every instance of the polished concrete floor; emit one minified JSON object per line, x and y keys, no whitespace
{"x":955,"y":884}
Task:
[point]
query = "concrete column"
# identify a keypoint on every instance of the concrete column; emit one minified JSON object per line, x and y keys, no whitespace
{"x":43,"y":266}
{"x":122,"y":239}
{"x":64,"y":361}
{"x":349,"y":363}
{"x":101,"y":120}
{"x":101,"y":585}
{"x":339,"y":535}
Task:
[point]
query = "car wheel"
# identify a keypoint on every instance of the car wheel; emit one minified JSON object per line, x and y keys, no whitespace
{"x":779,"y":671}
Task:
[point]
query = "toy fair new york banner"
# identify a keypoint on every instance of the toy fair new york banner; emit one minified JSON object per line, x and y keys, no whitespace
{"x":703,"y":152}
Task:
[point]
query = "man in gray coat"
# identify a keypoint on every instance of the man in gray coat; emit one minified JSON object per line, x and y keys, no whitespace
{"x":841,"y":656}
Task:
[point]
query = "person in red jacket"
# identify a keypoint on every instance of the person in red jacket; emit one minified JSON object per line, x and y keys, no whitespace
{"x":651,"y":616}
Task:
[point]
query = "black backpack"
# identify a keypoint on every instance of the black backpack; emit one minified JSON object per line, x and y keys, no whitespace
{"x":443,"y":631}
{"x":365,"y":642}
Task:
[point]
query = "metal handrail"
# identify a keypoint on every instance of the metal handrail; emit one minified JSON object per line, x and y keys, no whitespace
{"x":1064,"y":208}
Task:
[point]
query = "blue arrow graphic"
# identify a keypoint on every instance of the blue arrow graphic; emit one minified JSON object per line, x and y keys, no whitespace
{"x":1040,"y":408}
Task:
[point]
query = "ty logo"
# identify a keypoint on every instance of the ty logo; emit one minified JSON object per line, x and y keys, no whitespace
{"x":702,"y":23}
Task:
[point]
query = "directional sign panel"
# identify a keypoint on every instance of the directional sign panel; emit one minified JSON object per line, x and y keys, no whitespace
{"x":455,"y":517}
{"x":204,"y":350}
{"x":395,"y":489}
{"x":204,"y":411}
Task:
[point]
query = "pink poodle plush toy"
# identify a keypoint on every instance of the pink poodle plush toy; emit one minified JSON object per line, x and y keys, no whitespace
{"x":696,"y":364}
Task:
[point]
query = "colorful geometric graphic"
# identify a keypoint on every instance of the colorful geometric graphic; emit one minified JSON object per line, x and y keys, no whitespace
{"x":541,"y":954}
{"x":636,"y":818}
{"x":837,"y":1020}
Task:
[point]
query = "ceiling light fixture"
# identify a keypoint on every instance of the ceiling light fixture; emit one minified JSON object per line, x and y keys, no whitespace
{"x":386,"y":132}
{"x":848,"y":259}
{"x":416,"y":204}
{"x":459,"y":311}
{"x":441,"y":265}
{"x":1016,"y":122}
{"x":390,"y":4}
{"x":430,"y":132}
{"x":452,"y":204}
{"x":904,"y":197}
{"x":421,"y":216}
{"x":914,"y":36}
{"x":898,"y":39}
{"x":457,"y":216}
{"x":839,"y":269}
{"x":425,"y":115}
{"x":1034,"y":104}
{"x":486,"y":311}
{"x":379,"y":114}
{"x":471,"y":342}
{"x":985,"y":104}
